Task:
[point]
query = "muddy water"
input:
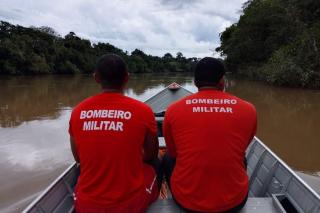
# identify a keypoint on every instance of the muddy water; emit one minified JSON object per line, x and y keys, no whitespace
{"x":34,"y":113}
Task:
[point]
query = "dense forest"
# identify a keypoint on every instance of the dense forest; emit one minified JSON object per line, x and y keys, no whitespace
{"x":43,"y":51}
{"x":277,"y":41}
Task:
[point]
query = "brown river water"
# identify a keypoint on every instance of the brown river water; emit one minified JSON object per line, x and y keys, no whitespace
{"x":34,"y":115}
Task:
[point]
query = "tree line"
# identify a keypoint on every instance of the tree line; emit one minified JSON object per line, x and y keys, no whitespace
{"x":277,"y":41}
{"x":41,"y":50}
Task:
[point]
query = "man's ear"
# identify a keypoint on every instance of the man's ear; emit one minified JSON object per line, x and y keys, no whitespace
{"x":221,"y":84}
{"x":97,"y":77}
{"x":126,"y":77}
{"x":196,"y":83}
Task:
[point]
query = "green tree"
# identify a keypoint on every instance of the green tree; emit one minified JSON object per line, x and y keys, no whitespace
{"x":275,"y":41}
{"x":43,"y":51}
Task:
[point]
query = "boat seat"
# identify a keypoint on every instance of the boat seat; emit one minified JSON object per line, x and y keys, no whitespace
{"x":259,"y":205}
{"x":253,"y":205}
{"x":164,"y":206}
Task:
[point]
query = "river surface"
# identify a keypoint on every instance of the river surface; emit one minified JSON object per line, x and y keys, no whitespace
{"x":34,"y":115}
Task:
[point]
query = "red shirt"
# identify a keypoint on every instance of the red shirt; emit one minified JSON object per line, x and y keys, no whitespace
{"x":109,"y":131}
{"x":208,"y":133}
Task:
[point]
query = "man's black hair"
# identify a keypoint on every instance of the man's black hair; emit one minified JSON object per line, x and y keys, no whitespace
{"x":112,"y":70}
{"x":208,"y":72}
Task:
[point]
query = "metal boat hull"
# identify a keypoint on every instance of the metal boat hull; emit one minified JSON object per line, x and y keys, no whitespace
{"x":273,"y":185}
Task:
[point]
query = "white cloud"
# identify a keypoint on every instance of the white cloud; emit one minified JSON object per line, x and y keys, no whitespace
{"x":154,"y":26}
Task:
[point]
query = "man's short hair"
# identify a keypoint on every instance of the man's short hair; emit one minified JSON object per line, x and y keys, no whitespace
{"x":208,"y":72}
{"x":112,"y":70}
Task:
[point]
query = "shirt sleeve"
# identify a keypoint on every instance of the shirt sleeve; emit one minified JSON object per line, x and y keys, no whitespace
{"x":167,"y":132}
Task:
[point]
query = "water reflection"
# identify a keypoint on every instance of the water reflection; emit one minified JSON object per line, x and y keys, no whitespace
{"x":28,"y":98}
{"x":34,"y":114}
{"x":36,"y":145}
{"x":33,"y":98}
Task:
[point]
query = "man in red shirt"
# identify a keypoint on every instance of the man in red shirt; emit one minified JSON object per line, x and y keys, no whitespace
{"x":207,"y":134}
{"x":112,"y":136}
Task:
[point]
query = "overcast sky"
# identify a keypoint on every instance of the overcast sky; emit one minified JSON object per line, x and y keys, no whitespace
{"x":154,"y":26}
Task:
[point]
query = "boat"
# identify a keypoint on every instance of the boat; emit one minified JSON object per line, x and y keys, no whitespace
{"x":274,"y":186}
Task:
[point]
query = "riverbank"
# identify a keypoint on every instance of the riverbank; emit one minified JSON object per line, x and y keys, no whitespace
{"x":254,"y":76}
{"x":34,"y":51}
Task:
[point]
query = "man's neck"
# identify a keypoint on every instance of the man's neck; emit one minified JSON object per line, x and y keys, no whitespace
{"x":110,"y":90}
{"x":210,"y":88}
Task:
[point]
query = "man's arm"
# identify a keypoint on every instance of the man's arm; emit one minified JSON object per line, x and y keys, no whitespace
{"x":168,"y":136}
{"x":74,"y":150}
{"x":254,"y":127}
{"x":150,"y":146}
{"x":72,"y":143}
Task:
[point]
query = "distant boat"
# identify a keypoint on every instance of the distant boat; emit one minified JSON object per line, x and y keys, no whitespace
{"x":274,"y":187}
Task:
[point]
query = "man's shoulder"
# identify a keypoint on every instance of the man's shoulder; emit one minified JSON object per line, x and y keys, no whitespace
{"x":87,"y":102}
{"x":137,"y":103}
{"x":123,"y":99}
{"x":84,"y":102}
{"x":82,"y":105}
{"x":141,"y":109}
{"x":177,"y":104}
{"x":243,"y":103}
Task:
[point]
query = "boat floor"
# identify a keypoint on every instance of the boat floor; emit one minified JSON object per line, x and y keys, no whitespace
{"x":253,"y":205}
